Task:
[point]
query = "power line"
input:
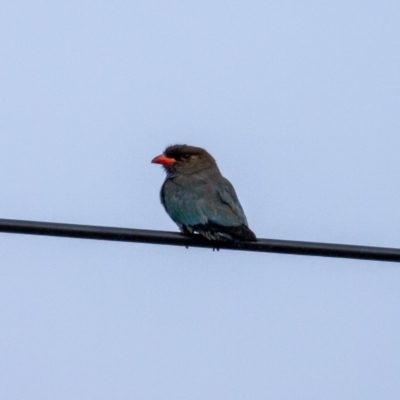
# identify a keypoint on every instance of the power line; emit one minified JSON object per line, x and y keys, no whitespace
{"x":177,"y":239}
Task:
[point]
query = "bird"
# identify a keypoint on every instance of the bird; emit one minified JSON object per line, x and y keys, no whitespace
{"x":198,"y":198}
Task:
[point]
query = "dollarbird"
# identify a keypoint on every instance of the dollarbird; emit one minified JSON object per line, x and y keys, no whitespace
{"x":198,"y":198}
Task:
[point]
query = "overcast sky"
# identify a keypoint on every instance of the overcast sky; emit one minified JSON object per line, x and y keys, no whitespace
{"x":299,"y":104}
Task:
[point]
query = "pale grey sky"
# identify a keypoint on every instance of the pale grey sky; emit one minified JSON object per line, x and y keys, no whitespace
{"x":298,"y":102}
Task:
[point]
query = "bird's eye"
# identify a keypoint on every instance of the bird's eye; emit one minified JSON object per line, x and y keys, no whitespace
{"x":185,"y":156}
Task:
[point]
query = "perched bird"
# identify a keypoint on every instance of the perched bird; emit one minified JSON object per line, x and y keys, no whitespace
{"x":198,"y":198}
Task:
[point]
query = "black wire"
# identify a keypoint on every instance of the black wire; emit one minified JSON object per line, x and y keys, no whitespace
{"x":177,"y":239}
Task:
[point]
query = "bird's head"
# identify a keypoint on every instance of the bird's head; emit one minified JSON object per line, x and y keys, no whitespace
{"x":183,"y":159}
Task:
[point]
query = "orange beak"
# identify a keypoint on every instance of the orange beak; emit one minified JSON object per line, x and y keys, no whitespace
{"x":163,"y":160}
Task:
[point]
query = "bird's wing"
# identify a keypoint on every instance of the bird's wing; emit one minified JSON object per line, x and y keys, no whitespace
{"x":203,"y":201}
{"x":230,"y":211}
